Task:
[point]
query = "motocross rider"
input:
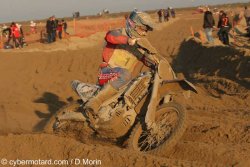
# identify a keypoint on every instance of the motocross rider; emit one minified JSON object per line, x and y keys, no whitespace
{"x":125,"y":50}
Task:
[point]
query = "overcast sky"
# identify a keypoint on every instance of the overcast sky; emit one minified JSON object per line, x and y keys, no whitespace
{"x":17,"y":10}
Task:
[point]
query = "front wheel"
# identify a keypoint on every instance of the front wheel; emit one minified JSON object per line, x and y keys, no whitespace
{"x":170,"y":126}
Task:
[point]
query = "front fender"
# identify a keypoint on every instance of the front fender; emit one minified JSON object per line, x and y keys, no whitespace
{"x":175,"y":86}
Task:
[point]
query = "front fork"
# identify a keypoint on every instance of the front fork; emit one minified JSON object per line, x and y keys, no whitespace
{"x":175,"y":85}
{"x":150,"y":115}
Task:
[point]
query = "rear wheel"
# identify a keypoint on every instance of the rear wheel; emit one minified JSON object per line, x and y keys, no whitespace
{"x":170,"y":126}
{"x":53,"y":122}
{"x":78,"y":130}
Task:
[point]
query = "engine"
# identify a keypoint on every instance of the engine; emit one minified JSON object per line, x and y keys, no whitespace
{"x":116,"y":122}
{"x":137,"y":90}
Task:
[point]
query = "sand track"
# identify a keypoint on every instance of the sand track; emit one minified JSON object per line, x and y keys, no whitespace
{"x":36,"y":84}
{"x":43,"y":146}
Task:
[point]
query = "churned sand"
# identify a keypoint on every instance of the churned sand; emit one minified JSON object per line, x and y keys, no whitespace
{"x":35,"y":84}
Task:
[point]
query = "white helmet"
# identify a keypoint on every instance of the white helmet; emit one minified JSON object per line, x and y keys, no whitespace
{"x":138,"y":20}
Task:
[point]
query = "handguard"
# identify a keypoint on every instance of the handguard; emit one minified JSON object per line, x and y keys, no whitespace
{"x":146,"y":45}
{"x":150,"y":57}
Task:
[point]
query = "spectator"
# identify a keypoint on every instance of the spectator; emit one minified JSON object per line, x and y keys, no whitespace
{"x":208,"y":25}
{"x":161,"y":15}
{"x":33,"y":27}
{"x":16,"y":35}
{"x":20,"y":28}
{"x":4,"y":27}
{"x":225,"y":27}
{"x":60,"y":29}
{"x":172,"y":11}
{"x":247,"y":15}
{"x":166,"y":14}
{"x":219,"y":25}
{"x":54,"y":24}
{"x":49,"y":29}
{"x":65,"y":26}
{"x":7,"y":33}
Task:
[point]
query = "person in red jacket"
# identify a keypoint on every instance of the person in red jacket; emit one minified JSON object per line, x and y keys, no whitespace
{"x":16,"y":35}
{"x":121,"y":55}
{"x":225,"y":27}
{"x":60,"y":29}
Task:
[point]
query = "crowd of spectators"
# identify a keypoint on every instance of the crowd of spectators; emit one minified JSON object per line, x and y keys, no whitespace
{"x":55,"y":28}
{"x":14,"y":36}
{"x":224,"y":25}
{"x":165,"y":14}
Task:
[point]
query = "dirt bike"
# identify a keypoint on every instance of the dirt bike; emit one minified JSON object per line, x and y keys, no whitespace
{"x":143,"y":114}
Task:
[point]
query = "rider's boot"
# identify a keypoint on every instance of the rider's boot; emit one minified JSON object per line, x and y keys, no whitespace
{"x":93,"y":105}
